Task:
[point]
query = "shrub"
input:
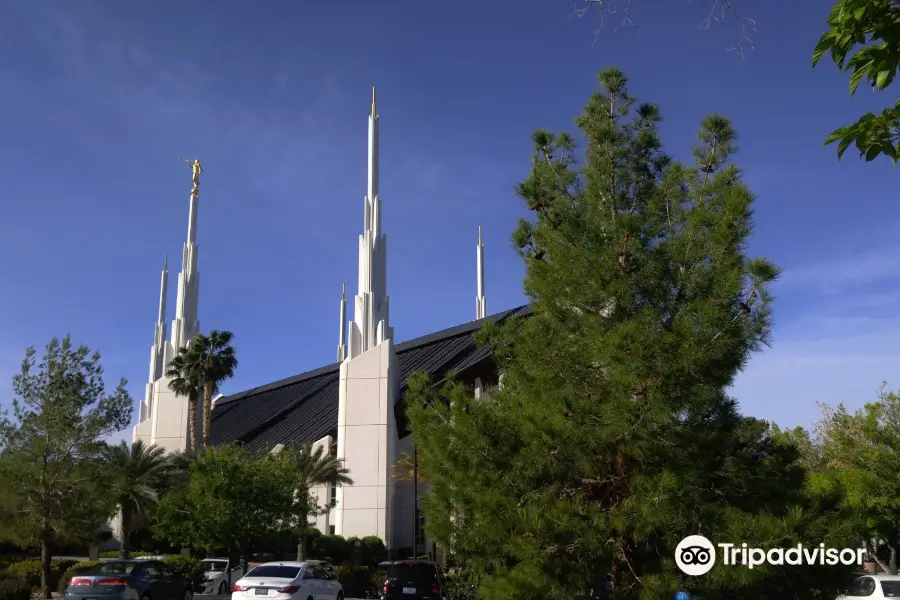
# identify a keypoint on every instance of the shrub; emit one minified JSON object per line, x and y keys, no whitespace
{"x":333,"y":548}
{"x":189,"y":568}
{"x":375,"y":549}
{"x":14,"y":588}
{"x":27,"y":570}
{"x":79,"y":567}
{"x":356,"y":581}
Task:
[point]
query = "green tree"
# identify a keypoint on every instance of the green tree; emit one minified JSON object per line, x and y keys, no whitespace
{"x":868,"y":31}
{"x":50,"y":471}
{"x":859,"y":461}
{"x":186,"y":383}
{"x":612,"y":436}
{"x":206,"y":362}
{"x":137,"y":478}
{"x":232,"y":498}
{"x":311,"y":468}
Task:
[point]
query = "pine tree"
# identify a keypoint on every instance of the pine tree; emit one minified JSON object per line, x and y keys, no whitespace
{"x":612,"y":436}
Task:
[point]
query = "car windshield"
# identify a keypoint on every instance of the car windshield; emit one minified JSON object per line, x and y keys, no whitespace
{"x":419,"y":573}
{"x":891,"y":589}
{"x":111,"y":567}
{"x":215,"y":565}
{"x":274,"y":571}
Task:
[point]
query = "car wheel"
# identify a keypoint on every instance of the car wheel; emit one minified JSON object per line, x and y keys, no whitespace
{"x":188,"y":595}
{"x":222,"y":589}
{"x":145,"y":597}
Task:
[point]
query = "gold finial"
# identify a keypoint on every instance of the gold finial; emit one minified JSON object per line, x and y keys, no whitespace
{"x":195,"y":167}
{"x":373,"y":100}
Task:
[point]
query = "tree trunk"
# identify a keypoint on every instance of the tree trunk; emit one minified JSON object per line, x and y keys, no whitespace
{"x":207,"y":411}
{"x":125,"y":522}
{"x":192,"y":422}
{"x":301,"y":543}
{"x":892,"y":563}
{"x":45,"y":559}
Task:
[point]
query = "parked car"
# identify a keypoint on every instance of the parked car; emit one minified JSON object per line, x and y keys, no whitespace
{"x":216,"y":577}
{"x":288,"y":581}
{"x":129,"y":580}
{"x":413,"y":579}
{"x":873,"y":587}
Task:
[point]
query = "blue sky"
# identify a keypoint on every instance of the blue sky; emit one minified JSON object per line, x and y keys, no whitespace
{"x":101,"y":100}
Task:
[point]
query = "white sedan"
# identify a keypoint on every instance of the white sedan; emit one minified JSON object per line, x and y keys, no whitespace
{"x":288,"y":581}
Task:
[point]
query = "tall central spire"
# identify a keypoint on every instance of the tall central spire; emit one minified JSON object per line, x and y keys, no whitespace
{"x":371,"y":324}
{"x":185,"y":326}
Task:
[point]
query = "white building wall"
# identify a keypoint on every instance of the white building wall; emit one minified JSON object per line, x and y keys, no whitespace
{"x":167,"y":426}
{"x":367,"y":434}
{"x":323,"y":493}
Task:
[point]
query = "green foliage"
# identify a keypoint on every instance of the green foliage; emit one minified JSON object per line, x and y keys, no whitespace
{"x":27,"y":570}
{"x":199,"y":369}
{"x":52,"y":483}
{"x":332,"y":548}
{"x":356,"y":581}
{"x":375,"y":548}
{"x":612,"y":437}
{"x":311,"y":468}
{"x":14,"y":589}
{"x":138,"y":475}
{"x":30,"y":570}
{"x":875,"y":26}
{"x":188,"y":567}
{"x":858,"y":458}
{"x":231,"y":499}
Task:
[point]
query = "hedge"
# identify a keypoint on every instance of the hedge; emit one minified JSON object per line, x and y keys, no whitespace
{"x":30,"y":570}
{"x":14,"y":588}
{"x":356,"y":581}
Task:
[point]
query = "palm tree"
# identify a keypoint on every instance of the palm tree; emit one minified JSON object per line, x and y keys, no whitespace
{"x":139,"y":476}
{"x":184,"y":382}
{"x":211,"y":360}
{"x":310,"y":469}
{"x":179,"y":470}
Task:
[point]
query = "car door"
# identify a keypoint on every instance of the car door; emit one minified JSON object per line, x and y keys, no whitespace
{"x":155,"y":584}
{"x":330,"y":585}
{"x":315,"y":582}
{"x":175,"y":584}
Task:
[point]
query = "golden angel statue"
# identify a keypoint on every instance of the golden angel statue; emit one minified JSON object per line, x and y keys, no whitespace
{"x":195,"y":166}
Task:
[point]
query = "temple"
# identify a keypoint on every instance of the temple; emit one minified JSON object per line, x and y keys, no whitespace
{"x":353,"y":407}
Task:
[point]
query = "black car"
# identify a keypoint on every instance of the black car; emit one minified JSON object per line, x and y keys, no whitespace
{"x":129,"y":580}
{"x":409,"y":579}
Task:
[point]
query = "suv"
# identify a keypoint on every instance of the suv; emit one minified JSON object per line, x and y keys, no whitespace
{"x":413,"y":579}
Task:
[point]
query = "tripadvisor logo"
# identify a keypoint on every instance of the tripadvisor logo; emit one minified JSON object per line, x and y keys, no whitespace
{"x":695,"y":555}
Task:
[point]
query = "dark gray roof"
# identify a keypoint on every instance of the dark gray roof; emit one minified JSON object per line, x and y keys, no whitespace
{"x":304,"y":408}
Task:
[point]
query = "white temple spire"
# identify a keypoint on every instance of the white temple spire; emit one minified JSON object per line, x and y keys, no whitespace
{"x":371,"y":324}
{"x":342,"y":336}
{"x":185,"y":325}
{"x":158,"y":350}
{"x":480,"y":302}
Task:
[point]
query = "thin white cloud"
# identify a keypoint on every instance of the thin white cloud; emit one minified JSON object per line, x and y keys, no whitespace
{"x":842,"y":336}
